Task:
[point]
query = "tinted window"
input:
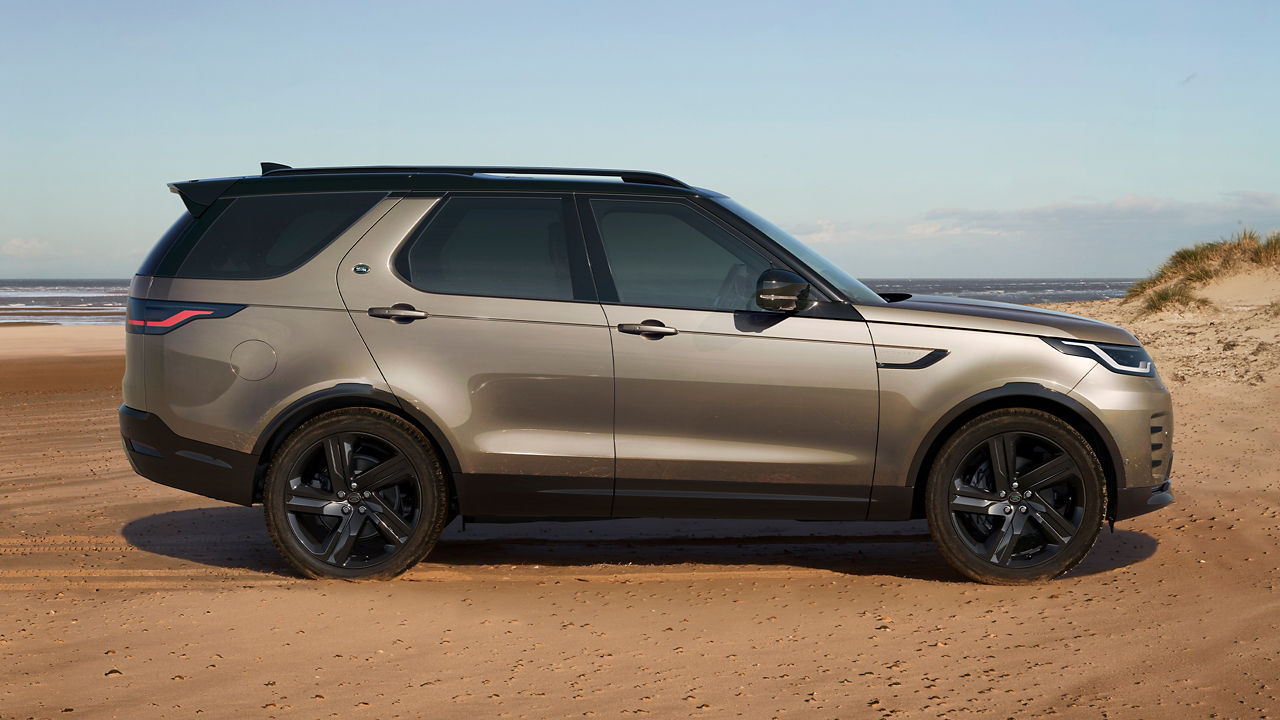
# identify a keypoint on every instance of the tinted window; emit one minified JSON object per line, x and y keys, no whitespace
{"x":167,"y":241}
{"x":269,"y":235}
{"x":499,"y":247}
{"x":832,"y":273}
{"x":670,"y":255}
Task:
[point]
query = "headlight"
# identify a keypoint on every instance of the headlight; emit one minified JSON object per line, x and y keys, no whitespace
{"x":1123,"y":359}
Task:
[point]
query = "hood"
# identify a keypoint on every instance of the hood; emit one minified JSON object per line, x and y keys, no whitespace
{"x":989,"y":316}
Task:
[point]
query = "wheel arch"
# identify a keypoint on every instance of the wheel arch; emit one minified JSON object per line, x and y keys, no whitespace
{"x":1017,"y":395}
{"x":346,"y":395}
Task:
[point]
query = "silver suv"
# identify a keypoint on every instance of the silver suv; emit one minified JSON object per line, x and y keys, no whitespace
{"x":370,"y":352}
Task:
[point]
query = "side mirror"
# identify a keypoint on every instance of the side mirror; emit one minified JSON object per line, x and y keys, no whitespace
{"x":781,"y":290}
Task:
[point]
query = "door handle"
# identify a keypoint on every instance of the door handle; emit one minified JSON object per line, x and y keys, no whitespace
{"x":400,"y":312}
{"x":651,"y":329}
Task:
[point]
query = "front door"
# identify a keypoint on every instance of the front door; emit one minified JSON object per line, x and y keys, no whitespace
{"x":722,"y":409}
{"x":485,"y":322}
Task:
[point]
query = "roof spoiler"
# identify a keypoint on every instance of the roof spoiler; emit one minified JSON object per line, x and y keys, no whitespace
{"x":198,"y":195}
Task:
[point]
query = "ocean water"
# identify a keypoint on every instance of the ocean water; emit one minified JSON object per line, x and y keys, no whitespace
{"x":1022,"y":291}
{"x":65,"y":302}
{"x":102,"y":302}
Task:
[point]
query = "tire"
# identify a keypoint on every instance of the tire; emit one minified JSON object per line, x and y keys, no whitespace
{"x":1024,"y":527}
{"x":355,"y":494}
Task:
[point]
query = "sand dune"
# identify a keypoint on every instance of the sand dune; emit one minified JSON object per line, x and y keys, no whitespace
{"x":126,"y":599}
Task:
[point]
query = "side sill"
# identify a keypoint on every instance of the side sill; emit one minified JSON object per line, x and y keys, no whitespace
{"x":533,"y":496}
{"x":891,"y":503}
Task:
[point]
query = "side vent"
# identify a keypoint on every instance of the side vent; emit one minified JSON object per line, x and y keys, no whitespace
{"x":1161,"y":452}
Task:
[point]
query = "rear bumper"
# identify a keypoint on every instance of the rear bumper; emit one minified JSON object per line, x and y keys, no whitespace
{"x":161,"y":455}
{"x":1132,"y":502}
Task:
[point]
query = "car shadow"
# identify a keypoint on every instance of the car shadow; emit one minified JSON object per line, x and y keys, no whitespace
{"x":234,"y":538}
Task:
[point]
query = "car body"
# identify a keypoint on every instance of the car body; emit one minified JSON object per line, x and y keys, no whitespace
{"x":574,"y":343}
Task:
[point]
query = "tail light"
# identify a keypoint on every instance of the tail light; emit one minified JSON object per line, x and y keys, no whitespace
{"x":157,"y":317}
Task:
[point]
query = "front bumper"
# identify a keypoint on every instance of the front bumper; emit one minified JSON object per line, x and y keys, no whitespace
{"x":1132,"y":502}
{"x":161,"y":455}
{"x":1136,"y":417}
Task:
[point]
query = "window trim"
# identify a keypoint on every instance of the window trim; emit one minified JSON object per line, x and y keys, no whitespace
{"x":573,"y":237}
{"x":605,"y":287}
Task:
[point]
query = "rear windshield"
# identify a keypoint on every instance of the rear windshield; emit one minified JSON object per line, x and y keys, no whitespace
{"x":264,"y":236}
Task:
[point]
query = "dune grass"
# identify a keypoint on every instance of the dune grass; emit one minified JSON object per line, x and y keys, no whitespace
{"x":1174,"y":282}
{"x":1175,"y":295}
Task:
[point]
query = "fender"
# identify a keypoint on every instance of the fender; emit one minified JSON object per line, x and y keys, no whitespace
{"x":347,"y":395}
{"x":897,"y":503}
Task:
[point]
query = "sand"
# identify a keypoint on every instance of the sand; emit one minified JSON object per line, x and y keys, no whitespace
{"x":1250,"y":289}
{"x":122,"y":598}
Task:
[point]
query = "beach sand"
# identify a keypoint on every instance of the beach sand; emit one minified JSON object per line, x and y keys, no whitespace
{"x":123,"y":598}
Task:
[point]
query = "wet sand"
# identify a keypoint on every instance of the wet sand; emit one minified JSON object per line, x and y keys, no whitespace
{"x":122,"y":598}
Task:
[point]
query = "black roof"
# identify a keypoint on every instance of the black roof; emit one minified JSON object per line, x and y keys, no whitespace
{"x":198,"y":195}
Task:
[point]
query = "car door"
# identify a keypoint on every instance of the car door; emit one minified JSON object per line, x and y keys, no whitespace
{"x":485,"y":322}
{"x":721,"y":409}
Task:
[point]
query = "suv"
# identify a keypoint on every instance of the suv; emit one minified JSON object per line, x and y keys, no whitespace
{"x":370,"y":352}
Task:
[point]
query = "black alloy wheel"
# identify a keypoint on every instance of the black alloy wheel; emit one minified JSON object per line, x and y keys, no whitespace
{"x":355,"y":494}
{"x":1016,"y":496}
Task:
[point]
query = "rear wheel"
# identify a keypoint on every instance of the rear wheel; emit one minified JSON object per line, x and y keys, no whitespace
{"x":1015,"y":496}
{"x":356,"y":494}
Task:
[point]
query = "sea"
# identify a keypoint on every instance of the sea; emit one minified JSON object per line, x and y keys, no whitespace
{"x":102,"y":302}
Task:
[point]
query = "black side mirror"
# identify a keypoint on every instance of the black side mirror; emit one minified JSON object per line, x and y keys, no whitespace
{"x":781,"y":290}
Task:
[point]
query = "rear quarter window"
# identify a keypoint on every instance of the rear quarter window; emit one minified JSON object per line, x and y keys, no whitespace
{"x":266,"y":236}
{"x":512,"y":247}
{"x":180,"y":227}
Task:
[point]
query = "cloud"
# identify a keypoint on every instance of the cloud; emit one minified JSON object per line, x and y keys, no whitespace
{"x":935,"y":227}
{"x":824,"y":231}
{"x":1124,"y":237}
{"x":26,"y":248}
{"x":1121,"y":215}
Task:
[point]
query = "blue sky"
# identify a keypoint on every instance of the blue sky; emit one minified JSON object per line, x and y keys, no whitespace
{"x":901,"y":139}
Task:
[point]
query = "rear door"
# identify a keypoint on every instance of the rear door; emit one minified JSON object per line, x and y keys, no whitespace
{"x":485,"y":321}
{"x":724,"y":410}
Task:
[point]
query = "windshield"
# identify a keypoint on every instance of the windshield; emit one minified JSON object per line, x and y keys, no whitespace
{"x":844,"y":282}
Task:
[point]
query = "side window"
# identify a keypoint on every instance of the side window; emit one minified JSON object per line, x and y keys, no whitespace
{"x":669,"y":255}
{"x":266,"y":236}
{"x":498,"y":247}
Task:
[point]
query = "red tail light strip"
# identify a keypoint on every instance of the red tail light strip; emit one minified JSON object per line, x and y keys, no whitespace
{"x":157,"y":317}
{"x":172,"y":319}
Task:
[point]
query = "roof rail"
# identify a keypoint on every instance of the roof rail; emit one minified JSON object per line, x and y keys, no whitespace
{"x":630,"y":176}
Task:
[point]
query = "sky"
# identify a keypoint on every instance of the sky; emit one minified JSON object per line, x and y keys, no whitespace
{"x":900,"y":139}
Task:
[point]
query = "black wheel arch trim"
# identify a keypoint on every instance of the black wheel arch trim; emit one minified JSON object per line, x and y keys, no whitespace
{"x":340,"y":396}
{"x":1113,"y":463}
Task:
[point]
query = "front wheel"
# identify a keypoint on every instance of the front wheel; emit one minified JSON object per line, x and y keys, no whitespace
{"x":1015,"y":496}
{"x":356,"y":494}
